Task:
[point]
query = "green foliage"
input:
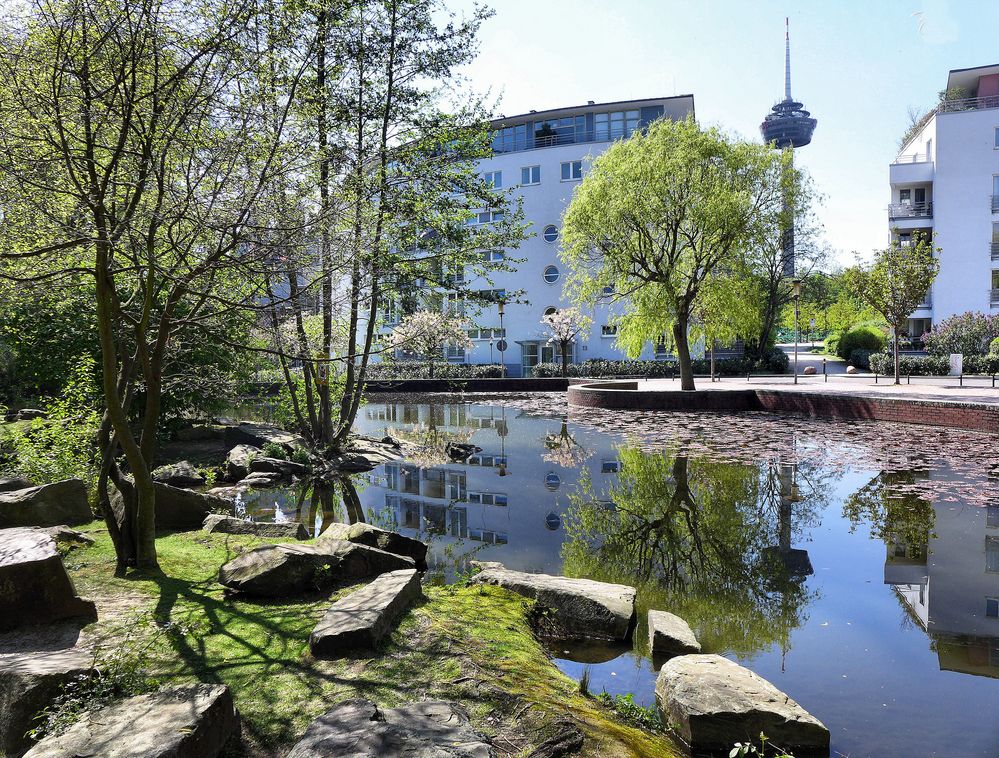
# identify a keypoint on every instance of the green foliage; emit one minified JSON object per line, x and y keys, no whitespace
{"x":860,"y":338}
{"x":62,"y":445}
{"x":861,"y":357}
{"x":968,"y":333}
{"x":301,"y":456}
{"x":775,"y":362}
{"x":275,"y":450}
{"x":387,"y":370}
{"x":646,"y":718}
{"x":744,"y":749}
{"x":994,"y":347}
{"x":911,"y":365}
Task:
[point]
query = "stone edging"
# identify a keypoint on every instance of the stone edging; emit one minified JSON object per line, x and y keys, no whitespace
{"x":625,"y":396}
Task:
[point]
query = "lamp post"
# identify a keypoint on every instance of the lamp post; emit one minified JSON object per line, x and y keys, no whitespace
{"x":796,"y":293}
{"x":490,"y":352}
{"x":502,"y":342}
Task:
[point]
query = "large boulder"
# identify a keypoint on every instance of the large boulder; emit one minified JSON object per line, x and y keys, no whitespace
{"x":62,"y":502}
{"x":66,"y":537}
{"x":180,"y":474}
{"x":260,"y":481}
{"x":362,"y":618}
{"x":364,"y":454}
{"x":373,"y":536}
{"x":671,"y":635}
{"x":359,"y":729}
{"x":714,"y":702}
{"x":176,"y":508}
{"x":15,"y":483}
{"x":34,"y":585}
{"x":191,"y":721}
{"x":291,"y":530}
{"x":267,"y":465}
{"x":582,"y":608}
{"x":287,"y":569}
{"x":253,"y":433}
{"x":30,"y":682}
{"x":237,"y":462}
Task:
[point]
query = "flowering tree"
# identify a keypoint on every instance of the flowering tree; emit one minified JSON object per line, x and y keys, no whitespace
{"x":428,"y":333}
{"x":562,"y":327}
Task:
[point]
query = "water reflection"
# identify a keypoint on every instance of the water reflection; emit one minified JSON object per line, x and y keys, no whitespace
{"x":778,"y":556}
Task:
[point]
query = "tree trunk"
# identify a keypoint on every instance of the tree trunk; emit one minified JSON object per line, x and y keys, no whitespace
{"x":895,"y":345}
{"x":683,"y":353}
{"x":565,"y":359}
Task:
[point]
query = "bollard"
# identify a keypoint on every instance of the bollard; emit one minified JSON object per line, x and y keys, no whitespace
{"x":825,"y":376}
{"x":960,"y":379}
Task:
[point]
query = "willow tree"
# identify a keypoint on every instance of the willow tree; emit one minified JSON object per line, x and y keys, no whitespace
{"x":896,"y":282}
{"x":659,"y":214}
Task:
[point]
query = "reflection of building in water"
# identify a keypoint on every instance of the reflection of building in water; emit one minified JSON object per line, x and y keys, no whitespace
{"x":506,"y":499}
{"x":950,"y":583}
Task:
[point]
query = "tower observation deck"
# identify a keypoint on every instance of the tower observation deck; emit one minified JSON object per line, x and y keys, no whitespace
{"x":788,"y":125}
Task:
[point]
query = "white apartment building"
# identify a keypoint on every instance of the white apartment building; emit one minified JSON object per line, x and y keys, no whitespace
{"x":945,"y":181}
{"x":541,"y":157}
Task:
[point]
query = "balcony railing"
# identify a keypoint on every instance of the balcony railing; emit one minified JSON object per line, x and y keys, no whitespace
{"x":994,"y":250}
{"x":564,"y":136}
{"x":968,"y":104}
{"x":911,"y":210}
{"x":913,"y":158}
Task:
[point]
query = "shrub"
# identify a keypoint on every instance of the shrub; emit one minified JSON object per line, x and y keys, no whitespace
{"x":994,"y":347}
{"x":981,"y":364}
{"x":301,"y":456}
{"x":389,"y":370}
{"x":910,"y":365}
{"x":860,"y":338}
{"x":275,"y":450}
{"x":775,"y":362}
{"x":966,"y":333}
{"x":831,"y":343}
{"x":861,"y":358}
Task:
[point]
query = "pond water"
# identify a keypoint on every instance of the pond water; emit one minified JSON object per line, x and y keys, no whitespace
{"x":854,"y":565}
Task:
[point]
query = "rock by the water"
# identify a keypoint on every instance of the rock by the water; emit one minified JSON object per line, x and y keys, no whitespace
{"x":15,"y":483}
{"x":671,"y":635}
{"x":267,"y":465}
{"x":582,"y":608}
{"x":199,"y":432}
{"x":364,"y":454}
{"x":62,"y":502}
{"x":34,"y":585}
{"x":190,"y":721}
{"x":383,"y":539}
{"x":228,"y":493}
{"x":359,"y":729}
{"x":291,"y":530}
{"x":714,"y":702}
{"x":237,"y":462}
{"x":360,"y":620}
{"x":180,"y":474}
{"x":278,"y":570}
{"x":260,"y":481}
{"x":258,"y":435}
{"x":180,"y":509}
{"x":30,"y":682}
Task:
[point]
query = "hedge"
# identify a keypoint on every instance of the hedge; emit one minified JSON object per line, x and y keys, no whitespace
{"x":421,"y":370}
{"x":860,"y":338}
{"x":933,"y":365}
{"x":776,"y":362}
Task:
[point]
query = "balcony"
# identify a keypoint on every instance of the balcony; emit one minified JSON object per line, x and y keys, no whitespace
{"x":910,"y":210}
{"x":968,"y":104}
{"x":916,"y":168}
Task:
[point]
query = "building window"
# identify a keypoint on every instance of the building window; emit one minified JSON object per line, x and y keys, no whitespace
{"x":609,"y":289}
{"x":530,"y":175}
{"x":905,"y":197}
{"x":486,"y":217}
{"x":494,"y":179}
{"x":486,"y":334}
{"x":992,"y":607}
{"x":491,"y":296}
{"x":550,"y":234}
{"x":992,"y":555}
{"x":455,"y":353}
{"x":992,"y":517}
{"x":550,"y":310}
{"x":493,"y":256}
{"x":552,"y":481}
{"x":572,"y":171}
{"x":997,"y":138}
{"x":551,"y":274}
{"x":608,"y":330}
{"x":454,"y":304}
{"x":610,"y":466}
{"x":616,"y":125}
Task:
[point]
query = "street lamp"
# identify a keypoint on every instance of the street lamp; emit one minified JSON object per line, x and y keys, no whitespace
{"x":796,"y":294}
{"x":502,"y":342}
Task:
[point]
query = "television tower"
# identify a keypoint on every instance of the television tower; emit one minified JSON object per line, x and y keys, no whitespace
{"x":786,"y":127}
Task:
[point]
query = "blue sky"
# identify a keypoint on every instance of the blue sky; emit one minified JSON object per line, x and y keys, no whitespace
{"x":858,"y":66}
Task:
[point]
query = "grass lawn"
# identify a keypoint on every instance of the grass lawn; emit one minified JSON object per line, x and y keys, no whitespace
{"x":470,"y":644}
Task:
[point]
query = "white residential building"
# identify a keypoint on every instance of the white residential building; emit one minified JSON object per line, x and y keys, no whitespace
{"x":945,"y":180}
{"x":541,"y":157}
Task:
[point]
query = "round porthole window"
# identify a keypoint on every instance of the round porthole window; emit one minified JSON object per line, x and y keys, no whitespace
{"x":552,"y":481}
{"x":551,"y":274}
{"x":550,"y":310}
{"x":552,"y":522}
{"x":550,"y":234}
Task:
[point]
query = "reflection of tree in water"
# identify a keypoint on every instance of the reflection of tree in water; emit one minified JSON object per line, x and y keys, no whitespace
{"x":893,"y":507}
{"x":319,"y":502}
{"x":692,"y":536}
{"x":562,"y":449}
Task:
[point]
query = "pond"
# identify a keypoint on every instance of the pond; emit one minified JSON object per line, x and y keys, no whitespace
{"x":854,"y":565}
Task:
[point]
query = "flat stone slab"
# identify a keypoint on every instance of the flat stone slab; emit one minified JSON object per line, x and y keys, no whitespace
{"x":28,"y":683}
{"x":62,"y":502}
{"x":373,"y":536}
{"x":287,"y":569}
{"x":193,"y":721}
{"x":583,"y":608}
{"x":360,"y":620}
{"x":34,"y":585}
{"x":180,"y":509}
{"x":289,"y":530}
{"x":359,"y":729}
{"x":262,"y":464}
{"x":671,"y":635}
{"x":15,"y":483}
{"x":714,"y":702}
{"x":180,"y":474}
{"x":237,"y":462}
{"x":258,"y":435}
